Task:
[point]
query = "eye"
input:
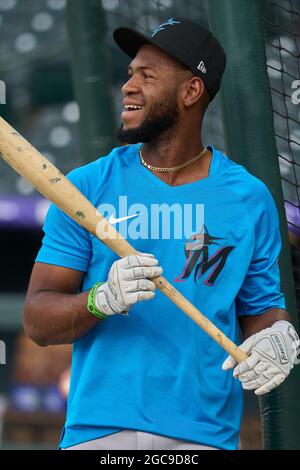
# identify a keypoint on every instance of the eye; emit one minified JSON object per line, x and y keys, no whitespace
{"x":147,"y":76}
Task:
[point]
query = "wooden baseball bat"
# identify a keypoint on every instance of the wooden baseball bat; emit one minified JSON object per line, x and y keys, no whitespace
{"x":50,"y":182}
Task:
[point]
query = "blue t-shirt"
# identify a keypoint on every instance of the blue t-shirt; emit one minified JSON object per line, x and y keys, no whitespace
{"x":155,"y":370}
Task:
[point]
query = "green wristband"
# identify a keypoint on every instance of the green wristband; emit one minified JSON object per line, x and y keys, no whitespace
{"x":91,"y":304}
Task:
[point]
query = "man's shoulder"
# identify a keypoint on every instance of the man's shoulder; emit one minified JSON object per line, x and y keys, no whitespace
{"x":102,"y":166}
{"x":116,"y":155}
{"x":251,"y":189}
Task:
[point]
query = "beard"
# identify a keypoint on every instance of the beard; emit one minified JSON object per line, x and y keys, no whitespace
{"x":160,"y":117}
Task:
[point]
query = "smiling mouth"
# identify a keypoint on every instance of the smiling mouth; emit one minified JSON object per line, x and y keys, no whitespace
{"x":130,"y":111}
{"x":132,"y":108}
{"x":128,"y":107}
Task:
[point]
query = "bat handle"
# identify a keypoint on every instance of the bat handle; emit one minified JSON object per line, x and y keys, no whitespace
{"x":198,"y":317}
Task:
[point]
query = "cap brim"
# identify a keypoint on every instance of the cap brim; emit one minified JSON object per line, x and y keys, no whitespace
{"x":130,"y":41}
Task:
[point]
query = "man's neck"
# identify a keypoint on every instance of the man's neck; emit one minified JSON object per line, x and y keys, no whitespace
{"x":169,"y":154}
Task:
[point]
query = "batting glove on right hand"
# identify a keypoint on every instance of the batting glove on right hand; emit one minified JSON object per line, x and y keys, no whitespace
{"x":128,"y":283}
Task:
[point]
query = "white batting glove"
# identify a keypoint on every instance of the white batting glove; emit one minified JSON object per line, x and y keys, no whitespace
{"x":128,"y":282}
{"x":273,"y":353}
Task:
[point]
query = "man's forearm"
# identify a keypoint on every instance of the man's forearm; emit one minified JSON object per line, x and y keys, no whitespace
{"x":253,"y":324}
{"x":56,"y":318}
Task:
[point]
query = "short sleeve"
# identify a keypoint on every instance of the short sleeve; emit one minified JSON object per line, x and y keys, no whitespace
{"x":65,"y":242}
{"x":261,"y":287}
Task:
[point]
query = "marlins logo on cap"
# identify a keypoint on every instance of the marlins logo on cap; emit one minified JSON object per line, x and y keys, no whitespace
{"x":170,"y":22}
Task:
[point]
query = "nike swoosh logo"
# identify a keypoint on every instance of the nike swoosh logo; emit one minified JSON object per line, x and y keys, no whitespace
{"x":112,"y":220}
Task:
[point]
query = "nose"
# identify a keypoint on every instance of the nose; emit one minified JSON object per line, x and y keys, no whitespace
{"x":131,"y":86}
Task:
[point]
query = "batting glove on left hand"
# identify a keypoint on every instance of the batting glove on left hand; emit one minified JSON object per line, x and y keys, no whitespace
{"x":272,"y":354}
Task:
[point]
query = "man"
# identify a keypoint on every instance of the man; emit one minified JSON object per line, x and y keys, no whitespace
{"x":144,"y":375}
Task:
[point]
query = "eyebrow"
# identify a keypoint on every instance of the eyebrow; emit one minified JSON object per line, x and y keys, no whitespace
{"x":142,"y":67}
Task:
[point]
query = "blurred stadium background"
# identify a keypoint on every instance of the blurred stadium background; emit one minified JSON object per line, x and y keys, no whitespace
{"x":35,"y":65}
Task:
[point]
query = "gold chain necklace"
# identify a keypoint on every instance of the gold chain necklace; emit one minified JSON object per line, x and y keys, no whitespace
{"x":174,"y":168}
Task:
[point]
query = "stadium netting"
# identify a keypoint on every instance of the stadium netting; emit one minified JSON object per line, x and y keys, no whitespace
{"x":281,"y":25}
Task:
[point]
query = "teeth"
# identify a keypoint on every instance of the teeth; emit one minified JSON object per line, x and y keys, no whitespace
{"x":132,"y":106}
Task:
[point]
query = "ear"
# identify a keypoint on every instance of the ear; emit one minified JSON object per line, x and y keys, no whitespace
{"x":193,"y":90}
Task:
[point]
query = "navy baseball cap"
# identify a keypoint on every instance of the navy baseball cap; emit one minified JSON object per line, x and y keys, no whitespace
{"x":187,"y":42}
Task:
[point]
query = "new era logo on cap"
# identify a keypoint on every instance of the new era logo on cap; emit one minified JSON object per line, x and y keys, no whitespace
{"x":202,"y":67}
